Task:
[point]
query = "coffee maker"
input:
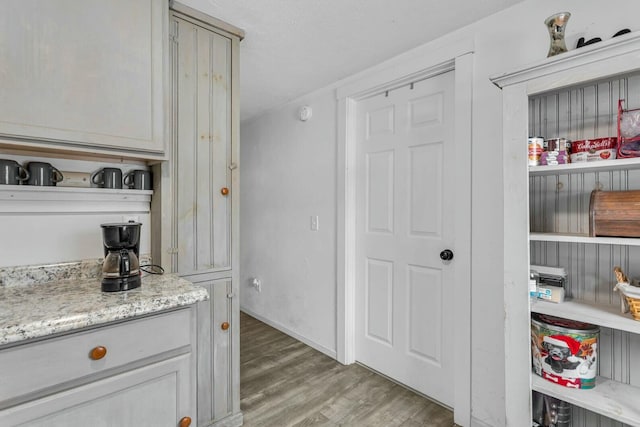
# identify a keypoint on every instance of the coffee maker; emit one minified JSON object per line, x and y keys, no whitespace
{"x":121,"y":267}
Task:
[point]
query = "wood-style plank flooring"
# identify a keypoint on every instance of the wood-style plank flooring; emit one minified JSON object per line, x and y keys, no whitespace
{"x":284,"y":382}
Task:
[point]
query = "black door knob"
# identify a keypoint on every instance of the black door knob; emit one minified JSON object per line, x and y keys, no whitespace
{"x":446,"y":255}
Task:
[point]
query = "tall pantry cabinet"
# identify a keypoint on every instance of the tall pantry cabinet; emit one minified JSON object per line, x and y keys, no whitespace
{"x":546,"y":221}
{"x":198,"y":200}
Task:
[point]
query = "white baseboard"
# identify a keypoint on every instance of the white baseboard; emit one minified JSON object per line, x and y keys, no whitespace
{"x":477,"y":423}
{"x":235,"y":420}
{"x":322,"y":349}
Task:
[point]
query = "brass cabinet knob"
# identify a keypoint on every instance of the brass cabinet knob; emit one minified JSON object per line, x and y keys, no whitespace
{"x":98,"y":352}
{"x":185,"y":422}
{"x":224,"y":191}
{"x":224,"y":326}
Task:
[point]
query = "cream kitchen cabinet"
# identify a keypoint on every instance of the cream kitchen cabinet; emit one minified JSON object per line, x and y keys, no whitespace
{"x":198,"y":197}
{"x":218,"y":320}
{"x":84,"y":76}
{"x":546,"y":215}
{"x":199,"y":180}
{"x":135,"y":373}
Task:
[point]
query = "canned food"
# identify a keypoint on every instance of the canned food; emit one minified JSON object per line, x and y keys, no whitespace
{"x":535,"y":149}
{"x":554,"y":158}
{"x":591,"y":150}
{"x":561,"y":145}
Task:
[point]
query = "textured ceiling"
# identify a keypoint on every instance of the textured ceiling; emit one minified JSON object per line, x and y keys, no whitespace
{"x":293,"y":47}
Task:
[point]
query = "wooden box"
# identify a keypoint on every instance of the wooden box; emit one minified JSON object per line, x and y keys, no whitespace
{"x":614,"y":213}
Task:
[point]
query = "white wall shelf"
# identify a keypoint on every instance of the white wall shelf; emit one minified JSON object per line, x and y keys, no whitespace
{"x":53,"y":199}
{"x":583,"y":238}
{"x":600,"y":166}
{"x":610,"y":398}
{"x":608,"y":316}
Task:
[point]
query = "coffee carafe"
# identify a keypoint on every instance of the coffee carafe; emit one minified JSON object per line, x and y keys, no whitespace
{"x":121,"y":267}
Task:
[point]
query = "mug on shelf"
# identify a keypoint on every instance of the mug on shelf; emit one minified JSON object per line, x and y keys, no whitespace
{"x":138,"y":179}
{"x":12,"y":172}
{"x":108,"y":178}
{"x":41,"y":173}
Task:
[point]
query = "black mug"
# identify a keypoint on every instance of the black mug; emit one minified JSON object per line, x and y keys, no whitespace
{"x":12,"y":172}
{"x":138,"y":179}
{"x":108,"y":178}
{"x":41,"y":173}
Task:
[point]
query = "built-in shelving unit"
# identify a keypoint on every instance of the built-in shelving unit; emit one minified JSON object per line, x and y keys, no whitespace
{"x":546,"y":219}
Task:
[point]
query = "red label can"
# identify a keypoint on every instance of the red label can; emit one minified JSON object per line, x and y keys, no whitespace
{"x":591,"y":150}
{"x":535,"y":148}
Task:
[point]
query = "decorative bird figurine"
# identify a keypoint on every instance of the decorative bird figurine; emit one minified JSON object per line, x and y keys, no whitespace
{"x":622,"y":281}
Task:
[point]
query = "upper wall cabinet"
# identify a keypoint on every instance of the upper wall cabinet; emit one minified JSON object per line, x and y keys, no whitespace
{"x":84,"y":76}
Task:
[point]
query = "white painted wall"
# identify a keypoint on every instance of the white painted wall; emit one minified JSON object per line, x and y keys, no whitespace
{"x":288,"y":173}
{"x":66,"y":233}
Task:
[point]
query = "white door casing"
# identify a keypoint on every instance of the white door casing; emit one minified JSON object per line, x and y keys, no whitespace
{"x":405,"y":175}
{"x":389,"y":75}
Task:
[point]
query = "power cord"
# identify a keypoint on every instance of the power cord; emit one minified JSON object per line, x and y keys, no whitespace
{"x":152,"y":269}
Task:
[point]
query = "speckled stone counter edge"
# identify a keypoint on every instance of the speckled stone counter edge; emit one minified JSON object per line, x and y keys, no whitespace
{"x":71,"y":303}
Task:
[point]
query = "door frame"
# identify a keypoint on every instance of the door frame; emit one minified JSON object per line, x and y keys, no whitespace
{"x":418,"y":64}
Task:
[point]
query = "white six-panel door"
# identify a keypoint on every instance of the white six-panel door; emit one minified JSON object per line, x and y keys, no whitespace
{"x":404,"y":220}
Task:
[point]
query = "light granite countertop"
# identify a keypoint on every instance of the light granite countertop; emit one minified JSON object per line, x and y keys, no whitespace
{"x":36,"y":310}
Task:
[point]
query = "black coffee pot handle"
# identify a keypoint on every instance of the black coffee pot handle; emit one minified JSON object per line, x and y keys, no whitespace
{"x":125,"y":263}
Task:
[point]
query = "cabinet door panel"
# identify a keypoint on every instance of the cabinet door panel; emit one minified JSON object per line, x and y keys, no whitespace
{"x":156,"y":395}
{"x":84,"y":73}
{"x":215,"y":360}
{"x":202,"y":155}
{"x":221,"y":314}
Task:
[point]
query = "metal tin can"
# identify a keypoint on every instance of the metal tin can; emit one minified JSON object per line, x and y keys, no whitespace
{"x":564,"y":351}
{"x":592,"y":150}
{"x":535,"y":149}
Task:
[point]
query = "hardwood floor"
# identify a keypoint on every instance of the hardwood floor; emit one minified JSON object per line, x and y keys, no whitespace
{"x":284,"y":382}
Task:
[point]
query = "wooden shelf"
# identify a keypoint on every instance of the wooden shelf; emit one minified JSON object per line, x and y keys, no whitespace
{"x":37,"y":199}
{"x":599,"y":166}
{"x":608,"y":316}
{"x":612,"y":399}
{"x":583,"y":238}
{"x":61,"y":189}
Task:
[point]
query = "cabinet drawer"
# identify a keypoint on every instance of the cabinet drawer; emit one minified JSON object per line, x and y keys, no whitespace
{"x":154,"y":395}
{"x":46,"y":364}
